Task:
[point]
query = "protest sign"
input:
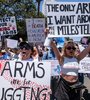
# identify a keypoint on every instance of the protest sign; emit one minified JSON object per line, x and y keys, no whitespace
{"x":35,"y":29}
{"x":12,"y":43}
{"x":24,"y":80}
{"x":8,"y":26}
{"x":55,"y":67}
{"x":84,"y":65}
{"x":68,"y":19}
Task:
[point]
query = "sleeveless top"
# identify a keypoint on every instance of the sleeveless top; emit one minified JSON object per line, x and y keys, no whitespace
{"x":70,"y":66}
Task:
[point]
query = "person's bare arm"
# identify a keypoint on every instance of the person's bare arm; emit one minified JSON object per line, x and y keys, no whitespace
{"x":56,"y":51}
{"x":84,"y":53}
{"x":54,"y":47}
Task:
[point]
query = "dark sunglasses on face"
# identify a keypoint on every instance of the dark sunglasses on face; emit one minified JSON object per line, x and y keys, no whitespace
{"x":71,"y":48}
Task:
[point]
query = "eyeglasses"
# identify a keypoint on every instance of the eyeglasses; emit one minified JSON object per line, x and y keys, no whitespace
{"x":24,"y":47}
{"x":69,"y":48}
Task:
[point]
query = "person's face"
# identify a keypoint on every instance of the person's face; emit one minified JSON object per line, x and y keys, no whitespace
{"x":25,"y":53}
{"x":70,"y":50}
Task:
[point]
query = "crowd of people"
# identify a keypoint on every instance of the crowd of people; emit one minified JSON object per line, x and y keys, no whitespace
{"x":26,"y":50}
{"x":68,"y":57}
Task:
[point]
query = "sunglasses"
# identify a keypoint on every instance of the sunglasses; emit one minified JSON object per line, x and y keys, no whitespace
{"x":71,"y":48}
{"x":24,"y":47}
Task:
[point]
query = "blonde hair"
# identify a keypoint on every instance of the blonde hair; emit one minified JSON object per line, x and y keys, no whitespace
{"x":65,"y":46}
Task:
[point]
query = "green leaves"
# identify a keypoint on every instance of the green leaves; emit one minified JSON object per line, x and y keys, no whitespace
{"x":21,"y":9}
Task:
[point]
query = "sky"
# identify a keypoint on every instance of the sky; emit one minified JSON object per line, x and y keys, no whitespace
{"x":75,"y":38}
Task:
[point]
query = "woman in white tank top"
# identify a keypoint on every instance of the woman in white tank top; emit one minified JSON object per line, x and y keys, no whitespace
{"x":68,"y":60}
{"x":69,"y":69}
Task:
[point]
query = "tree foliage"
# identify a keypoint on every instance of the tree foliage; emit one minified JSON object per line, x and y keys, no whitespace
{"x":21,"y":9}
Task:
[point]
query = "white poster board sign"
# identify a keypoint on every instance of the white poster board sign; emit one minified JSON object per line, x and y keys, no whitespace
{"x":24,"y":80}
{"x":35,"y":29}
{"x":8,"y":26}
{"x":68,"y":19}
{"x":12,"y":43}
{"x":84,"y":65}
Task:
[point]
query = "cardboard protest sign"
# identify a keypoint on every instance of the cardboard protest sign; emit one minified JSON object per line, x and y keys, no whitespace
{"x":8,"y":26}
{"x":68,"y":19}
{"x":84,"y":65}
{"x":12,"y":43}
{"x":35,"y":29}
{"x":23,"y":80}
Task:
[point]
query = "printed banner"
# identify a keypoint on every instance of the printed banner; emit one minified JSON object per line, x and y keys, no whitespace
{"x":23,"y":80}
{"x":35,"y":29}
{"x":68,"y":19}
{"x":8,"y":26}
